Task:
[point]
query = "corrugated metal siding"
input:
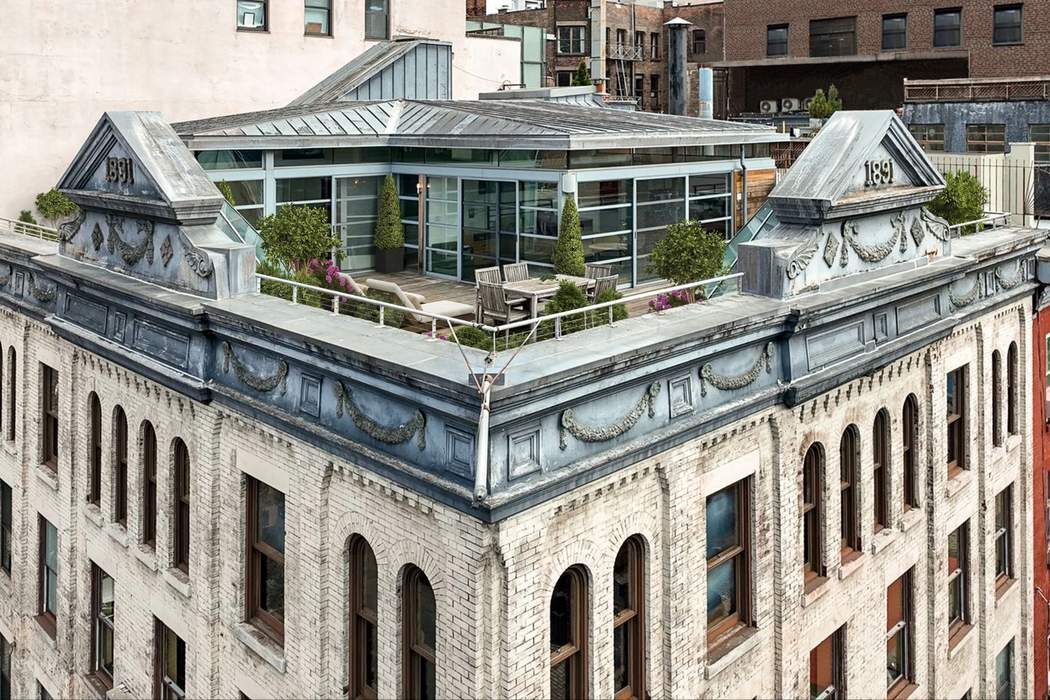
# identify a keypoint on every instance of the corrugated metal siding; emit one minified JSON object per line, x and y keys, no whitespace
{"x":424,"y":72}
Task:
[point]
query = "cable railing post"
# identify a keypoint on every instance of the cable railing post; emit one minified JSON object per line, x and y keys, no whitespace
{"x":557,"y":328}
{"x":295,"y":294}
{"x":335,"y":304}
{"x":381,"y":315}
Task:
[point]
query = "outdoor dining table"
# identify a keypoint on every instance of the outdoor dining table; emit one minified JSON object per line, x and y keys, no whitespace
{"x":535,"y":289}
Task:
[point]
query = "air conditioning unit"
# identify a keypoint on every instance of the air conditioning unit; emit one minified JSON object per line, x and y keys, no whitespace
{"x":806,"y":102}
{"x":768,"y":107}
{"x":789,"y":104}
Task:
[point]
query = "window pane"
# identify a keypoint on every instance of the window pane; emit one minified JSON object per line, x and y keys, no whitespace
{"x":721,"y":591}
{"x":251,"y":14}
{"x":1007,"y":25}
{"x":947,"y":27}
{"x":604,"y":193}
{"x":561,"y":613}
{"x":271,"y":596}
{"x":722,"y":521}
{"x":621,"y":655}
{"x":560,"y":683}
{"x":427,"y":616}
{"x":271,"y":516}
{"x":622,"y":580}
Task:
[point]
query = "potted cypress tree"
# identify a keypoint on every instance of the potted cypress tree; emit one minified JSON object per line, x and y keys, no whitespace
{"x":389,"y":236}
{"x":568,"y":250}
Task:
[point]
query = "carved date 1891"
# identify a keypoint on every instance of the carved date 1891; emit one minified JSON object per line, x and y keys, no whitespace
{"x":120,"y":170}
{"x":878,"y":172}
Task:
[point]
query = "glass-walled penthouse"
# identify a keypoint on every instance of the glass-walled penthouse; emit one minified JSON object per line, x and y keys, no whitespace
{"x":490,"y":207}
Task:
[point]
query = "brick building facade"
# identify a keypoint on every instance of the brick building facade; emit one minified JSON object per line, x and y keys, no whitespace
{"x":769,"y":52}
{"x":824,"y":479}
{"x":1041,"y":493}
{"x":624,"y":44}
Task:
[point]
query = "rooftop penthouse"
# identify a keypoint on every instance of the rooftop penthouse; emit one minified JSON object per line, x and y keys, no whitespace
{"x":846,"y":272}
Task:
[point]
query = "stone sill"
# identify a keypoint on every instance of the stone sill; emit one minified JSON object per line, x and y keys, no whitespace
{"x":1003,"y":591}
{"x":92,"y":513}
{"x":817,"y":588}
{"x":96,"y":686}
{"x":146,"y":556}
{"x":47,"y":631}
{"x":851,"y":565}
{"x":178,"y":581}
{"x":120,"y":692}
{"x":911,"y":518}
{"x":48,"y":477}
{"x":961,"y":636}
{"x":746,"y":640}
{"x":118,"y":533}
{"x":958,"y":482}
{"x":261,"y":645}
{"x":883,"y":539}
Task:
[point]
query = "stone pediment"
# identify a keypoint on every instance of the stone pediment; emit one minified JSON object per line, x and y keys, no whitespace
{"x":134,"y":163}
{"x":859,"y":163}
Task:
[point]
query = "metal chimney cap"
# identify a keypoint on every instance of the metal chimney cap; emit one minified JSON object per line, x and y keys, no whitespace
{"x":678,"y":22}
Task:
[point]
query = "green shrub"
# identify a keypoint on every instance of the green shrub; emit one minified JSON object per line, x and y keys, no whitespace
{"x":568,"y":250}
{"x":359,"y":309}
{"x":582,"y":76}
{"x":567,"y":298}
{"x":53,"y":206}
{"x":823,"y":106}
{"x":600,"y":317}
{"x":390,"y":234}
{"x":688,"y":253}
{"x":473,"y":337}
{"x":961,"y":200}
{"x":226,"y":191}
{"x":295,"y":235}
{"x":26,"y":217}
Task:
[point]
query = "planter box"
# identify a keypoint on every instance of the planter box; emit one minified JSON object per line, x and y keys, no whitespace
{"x":390,"y":260}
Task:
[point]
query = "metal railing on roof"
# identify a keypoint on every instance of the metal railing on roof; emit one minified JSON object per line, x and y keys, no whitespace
{"x":22,"y":228}
{"x":991,"y":220}
{"x":977,"y":89}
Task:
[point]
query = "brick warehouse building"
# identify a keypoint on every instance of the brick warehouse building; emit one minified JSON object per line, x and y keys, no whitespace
{"x":623,"y":43}
{"x":777,"y":50}
{"x":816,"y":484}
{"x":1041,"y":489}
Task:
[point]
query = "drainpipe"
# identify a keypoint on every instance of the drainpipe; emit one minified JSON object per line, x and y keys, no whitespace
{"x":481,"y":461}
{"x":677,"y":65}
{"x":743,"y":186}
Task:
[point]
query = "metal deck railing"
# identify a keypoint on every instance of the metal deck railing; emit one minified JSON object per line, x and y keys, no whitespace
{"x":32,"y":230}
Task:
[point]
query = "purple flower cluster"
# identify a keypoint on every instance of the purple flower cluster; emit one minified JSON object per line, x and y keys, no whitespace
{"x":333,"y":278}
{"x":663,"y":302}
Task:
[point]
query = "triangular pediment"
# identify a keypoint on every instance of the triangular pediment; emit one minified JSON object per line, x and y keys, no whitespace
{"x":133,"y":162}
{"x":859,"y":163}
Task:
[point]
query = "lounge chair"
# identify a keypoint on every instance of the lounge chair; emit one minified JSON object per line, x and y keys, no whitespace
{"x":452,"y":309}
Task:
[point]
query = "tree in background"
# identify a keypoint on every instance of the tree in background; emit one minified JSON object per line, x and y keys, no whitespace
{"x":390,"y":233}
{"x":26,"y":217}
{"x":295,"y":235}
{"x":568,"y":251}
{"x":226,"y":191}
{"x":823,"y":106}
{"x":961,"y":200}
{"x":582,"y":76}
{"x":55,"y":206}
{"x":688,"y":253}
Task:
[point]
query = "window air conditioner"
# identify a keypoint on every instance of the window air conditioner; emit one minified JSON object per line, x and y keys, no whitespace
{"x":789,"y":104}
{"x":768,"y":107}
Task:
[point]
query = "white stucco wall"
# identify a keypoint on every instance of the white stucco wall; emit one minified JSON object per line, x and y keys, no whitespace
{"x":62,"y":64}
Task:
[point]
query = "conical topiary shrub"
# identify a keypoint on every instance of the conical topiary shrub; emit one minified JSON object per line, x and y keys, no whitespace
{"x":390,"y":235}
{"x":568,"y":251}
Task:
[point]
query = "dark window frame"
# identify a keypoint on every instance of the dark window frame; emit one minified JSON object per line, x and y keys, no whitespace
{"x":930,"y":136}
{"x":326,"y":8}
{"x":181,"y":490}
{"x":1039,"y":134}
{"x":416,"y":651}
{"x":47,"y":609}
{"x":631,"y":618}
{"x":849,"y":493}
{"x":955,"y":422}
{"x":5,"y":668}
{"x":264,"y":27}
{"x":100,"y":622}
{"x":1013,"y":392}
{"x":120,"y":466}
{"x":959,"y":620}
{"x":1004,"y":34}
{"x":49,"y":419}
{"x":813,"y":474}
{"x":164,"y":686}
{"x":900,"y":633}
{"x":369,"y":22}
{"x":698,"y":45}
{"x":12,"y":395}
{"x":570,"y":44}
{"x":722,"y":631}
{"x":943,"y":36}
{"x":880,"y":453}
{"x":997,"y":398}
{"x":364,"y":621}
{"x":1004,"y":539}
{"x":837,"y":689}
{"x":6,"y":526}
{"x":256,"y":551}
{"x":828,"y":39}
{"x":773,"y":47}
{"x":94,"y":460}
{"x":986,"y":138}
{"x":575,"y":654}
{"x":149,"y":484}
{"x":902,"y":34}
{"x":909,"y":451}
{"x":1005,"y":691}
{"x":654,"y":46}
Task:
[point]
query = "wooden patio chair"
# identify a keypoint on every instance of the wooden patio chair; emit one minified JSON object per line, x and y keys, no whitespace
{"x":602,"y":284}
{"x":595,"y":271}
{"x":453,"y":309}
{"x":491,"y":275}
{"x":516,"y":272}
{"x":494,"y":304}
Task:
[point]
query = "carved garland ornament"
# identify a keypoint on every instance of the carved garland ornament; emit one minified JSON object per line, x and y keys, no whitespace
{"x":255,"y":381}
{"x":393,"y":435}
{"x":45,"y":295}
{"x":732,"y":382}
{"x":968,"y":298}
{"x":68,"y":230}
{"x":130,"y":254}
{"x":869,"y":254}
{"x":935,"y":225}
{"x":586,"y":433}
{"x":1010,"y":282}
{"x":800,"y":258}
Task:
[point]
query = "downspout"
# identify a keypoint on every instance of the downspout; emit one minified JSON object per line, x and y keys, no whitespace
{"x":481,"y":450}
{"x":743,"y":187}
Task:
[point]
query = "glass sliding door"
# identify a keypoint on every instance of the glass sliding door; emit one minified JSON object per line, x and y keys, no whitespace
{"x":539,"y":222}
{"x":489,"y":233}
{"x":355,"y":220}
{"x":659,"y":203}
{"x":442,"y":233}
{"x":606,"y":222}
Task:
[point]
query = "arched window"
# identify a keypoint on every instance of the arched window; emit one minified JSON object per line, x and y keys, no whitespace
{"x":812,"y":511}
{"x":997,"y":398}
{"x":94,"y":485}
{"x":1012,"y":398}
{"x":364,"y":622}
{"x":181,"y":478}
{"x":629,"y":620}
{"x":12,"y":397}
{"x":569,"y":635}
{"x":909,"y":457}
{"x":120,"y":466}
{"x":699,"y":41}
{"x":419,"y":630}
{"x":149,"y":485}
{"x":880,"y":449}
{"x":849,"y":488}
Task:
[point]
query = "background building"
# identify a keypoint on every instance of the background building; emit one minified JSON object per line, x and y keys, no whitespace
{"x":787,"y":49}
{"x":61,"y":65}
{"x":624,"y":44}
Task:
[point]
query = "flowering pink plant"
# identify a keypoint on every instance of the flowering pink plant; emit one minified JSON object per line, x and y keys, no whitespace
{"x":329,"y":272}
{"x":663,"y":302}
